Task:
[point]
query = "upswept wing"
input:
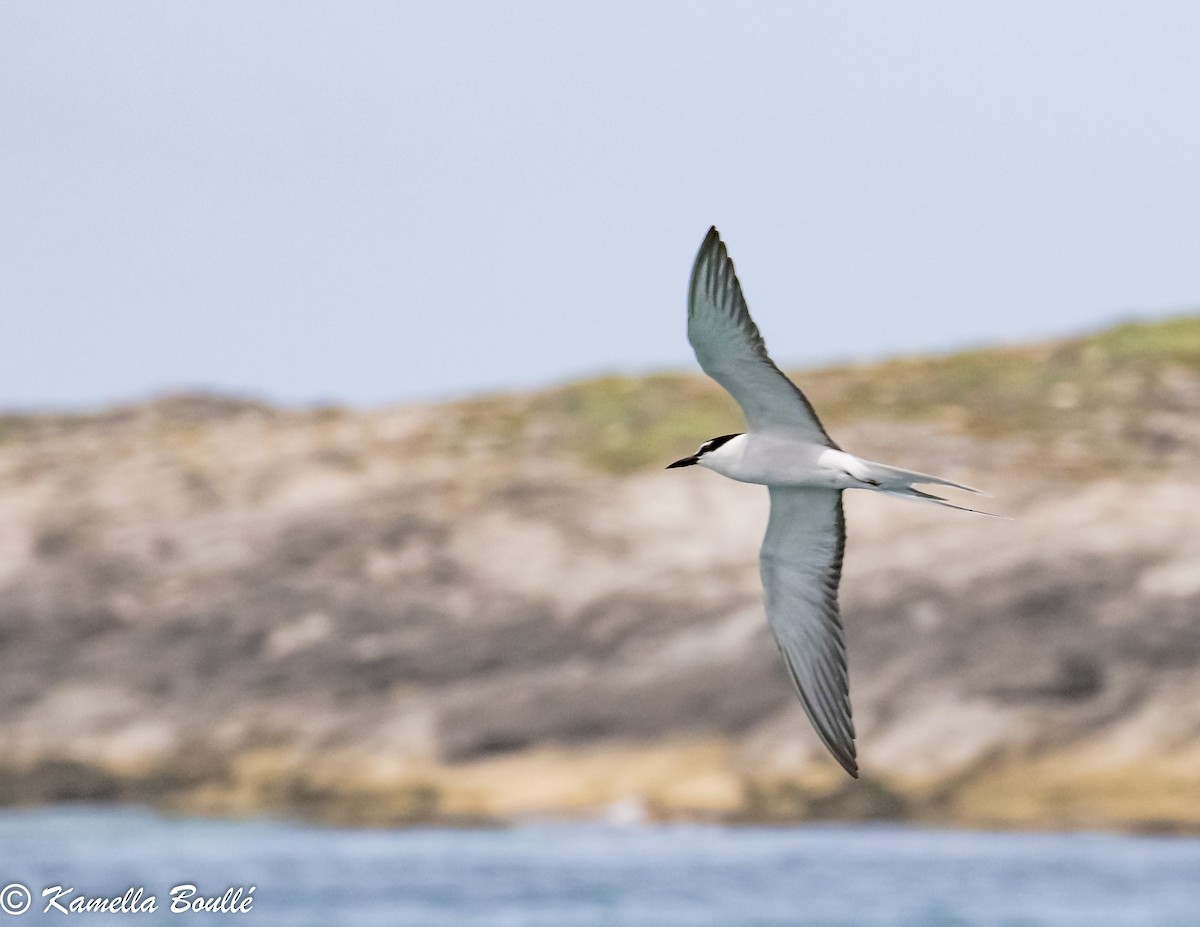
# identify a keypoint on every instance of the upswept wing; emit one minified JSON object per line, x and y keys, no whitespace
{"x":731,"y":350}
{"x":801,"y":566}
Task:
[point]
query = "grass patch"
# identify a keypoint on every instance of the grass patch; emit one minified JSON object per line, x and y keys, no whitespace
{"x":1096,"y":392}
{"x":1173,"y":341}
{"x":624,"y":424}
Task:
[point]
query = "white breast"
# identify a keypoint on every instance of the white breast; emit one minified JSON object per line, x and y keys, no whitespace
{"x":778,"y":461}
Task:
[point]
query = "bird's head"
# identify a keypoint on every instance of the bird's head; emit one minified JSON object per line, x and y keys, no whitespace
{"x":709,"y":452}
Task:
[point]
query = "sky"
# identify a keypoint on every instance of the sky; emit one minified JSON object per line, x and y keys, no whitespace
{"x":371,"y":203}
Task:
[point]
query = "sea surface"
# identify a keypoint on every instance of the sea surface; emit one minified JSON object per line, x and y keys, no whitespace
{"x":608,"y":876}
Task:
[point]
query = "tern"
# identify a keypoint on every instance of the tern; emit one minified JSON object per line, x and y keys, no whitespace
{"x":786,"y":448}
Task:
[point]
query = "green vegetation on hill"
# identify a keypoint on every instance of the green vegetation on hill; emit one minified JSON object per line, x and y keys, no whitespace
{"x":622,"y":424}
{"x":1042,"y":393}
{"x":1099,"y":403}
{"x":1002,"y":391}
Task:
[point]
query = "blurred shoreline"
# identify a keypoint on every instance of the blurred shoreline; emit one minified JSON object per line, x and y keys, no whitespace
{"x":555,"y":787}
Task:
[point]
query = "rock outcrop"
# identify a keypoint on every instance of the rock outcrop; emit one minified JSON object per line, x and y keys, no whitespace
{"x":504,"y":607}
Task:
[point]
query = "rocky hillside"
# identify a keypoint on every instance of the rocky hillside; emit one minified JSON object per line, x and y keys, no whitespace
{"x":506,"y":607}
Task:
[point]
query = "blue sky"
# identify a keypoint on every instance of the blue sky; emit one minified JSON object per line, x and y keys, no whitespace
{"x":370,"y":203}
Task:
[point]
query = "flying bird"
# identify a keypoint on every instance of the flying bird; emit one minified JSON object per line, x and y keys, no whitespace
{"x":786,"y":448}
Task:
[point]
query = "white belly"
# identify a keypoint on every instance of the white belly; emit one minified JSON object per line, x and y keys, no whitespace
{"x":779,"y":462}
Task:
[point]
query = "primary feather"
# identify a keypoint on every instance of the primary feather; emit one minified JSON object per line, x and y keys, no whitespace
{"x":731,"y":350}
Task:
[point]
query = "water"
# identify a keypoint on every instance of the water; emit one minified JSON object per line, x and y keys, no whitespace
{"x":579,"y":876}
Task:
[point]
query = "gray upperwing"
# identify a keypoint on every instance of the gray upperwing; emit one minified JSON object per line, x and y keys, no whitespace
{"x":731,"y":350}
{"x":801,"y":566}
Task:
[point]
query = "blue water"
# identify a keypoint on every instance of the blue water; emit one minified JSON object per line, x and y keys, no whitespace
{"x":570,"y":876}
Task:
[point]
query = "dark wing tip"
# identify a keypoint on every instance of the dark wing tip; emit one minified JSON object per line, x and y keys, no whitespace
{"x":712,"y":239}
{"x":841,"y":750}
{"x":837,"y":734}
{"x":713,"y":271}
{"x":704,"y":266}
{"x":711,"y":247}
{"x":844,"y":751}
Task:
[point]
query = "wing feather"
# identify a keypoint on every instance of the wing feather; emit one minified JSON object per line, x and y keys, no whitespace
{"x":801,"y":567}
{"x":731,"y":350}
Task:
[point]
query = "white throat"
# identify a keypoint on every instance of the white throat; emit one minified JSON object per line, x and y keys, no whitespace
{"x":726,"y":459}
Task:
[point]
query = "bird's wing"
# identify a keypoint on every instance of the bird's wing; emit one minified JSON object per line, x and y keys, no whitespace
{"x":801,"y":565}
{"x":732,"y":352}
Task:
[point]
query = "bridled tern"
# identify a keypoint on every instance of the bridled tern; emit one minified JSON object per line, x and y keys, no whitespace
{"x":786,"y":448}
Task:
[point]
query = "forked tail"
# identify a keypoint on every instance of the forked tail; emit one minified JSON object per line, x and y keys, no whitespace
{"x":900,"y":483}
